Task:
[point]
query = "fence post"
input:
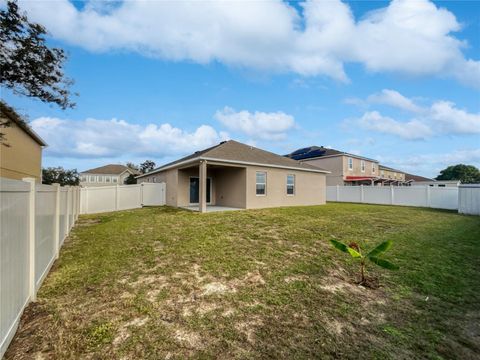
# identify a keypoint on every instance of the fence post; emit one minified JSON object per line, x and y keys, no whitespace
{"x":56,"y":221}
{"x":31,"y":239}
{"x":337,"y":193}
{"x":392,"y":195}
{"x":67,"y":211}
{"x":117,"y":197}
{"x":362,"y":196}
{"x":427,"y":200}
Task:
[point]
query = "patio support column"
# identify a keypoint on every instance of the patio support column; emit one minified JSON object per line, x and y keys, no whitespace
{"x":202,"y":203}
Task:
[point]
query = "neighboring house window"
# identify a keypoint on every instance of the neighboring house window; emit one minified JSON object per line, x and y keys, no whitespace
{"x":362,"y":165}
{"x":114,"y":179}
{"x":350,"y":164}
{"x":100,"y":179}
{"x":373,"y":168}
{"x":83,"y":178}
{"x":92,"y":178}
{"x":290,"y":184}
{"x":108,"y":178}
{"x":382,"y":173}
{"x":154,"y":179}
{"x":261,"y":183}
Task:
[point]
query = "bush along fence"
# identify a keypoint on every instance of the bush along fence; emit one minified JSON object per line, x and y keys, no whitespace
{"x":34,"y":222}
{"x":121,"y":197}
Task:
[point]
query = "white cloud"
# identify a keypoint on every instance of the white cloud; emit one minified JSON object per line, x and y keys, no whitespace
{"x":440,"y":118}
{"x":411,"y":130}
{"x":395,"y":99}
{"x":257,"y":125}
{"x":431,"y":164}
{"x":92,"y":138}
{"x":408,"y":37}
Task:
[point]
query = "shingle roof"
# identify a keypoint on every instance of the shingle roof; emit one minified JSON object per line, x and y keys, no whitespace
{"x":9,"y":113}
{"x":236,"y":152}
{"x":416,"y":178}
{"x":312,"y":152}
{"x":383,"y":167}
{"x":114,"y":169}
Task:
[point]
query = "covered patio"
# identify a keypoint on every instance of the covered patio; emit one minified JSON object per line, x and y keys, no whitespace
{"x":212,"y":186}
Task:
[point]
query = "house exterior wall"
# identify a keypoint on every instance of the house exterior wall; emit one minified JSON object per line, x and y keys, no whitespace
{"x":393,"y":175}
{"x":103,"y":179}
{"x":338,"y":166}
{"x":310,"y":188}
{"x":333,"y":164}
{"x":23,"y":158}
{"x":230,"y":187}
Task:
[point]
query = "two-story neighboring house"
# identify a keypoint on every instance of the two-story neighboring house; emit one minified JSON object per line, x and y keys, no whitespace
{"x":112,"y":174}
{"x":345,"y":168}
{"x":390,"y":175}
{"x":20,"y":148}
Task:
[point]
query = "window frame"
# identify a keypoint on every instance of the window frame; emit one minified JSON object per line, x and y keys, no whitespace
{"x":374,"y":168}
{"x":91,"y":178}
{"x":350,"y":164}
{"x":114,"y":179}
{"x":362,"y":166}
{"x":264,"y":183}
{"x":292,"y":185}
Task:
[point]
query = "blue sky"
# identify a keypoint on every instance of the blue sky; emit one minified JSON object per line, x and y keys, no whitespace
{"x":398,"y":81}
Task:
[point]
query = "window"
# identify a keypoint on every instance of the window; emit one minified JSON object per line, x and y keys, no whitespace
{"x":154,"y":179}
{"x":114,"y":179}
{"x":382,"y":173}
{"x":83,"y":178}
{"x":261,"y":183}
{"x":108,"y":178}
{"x":100,"y":178}
{"x":362,"y":165}
{"x":92,"y":178}
{"x":290,"y":185}
{"x":350,"y":164}
{"x":373,"y":168}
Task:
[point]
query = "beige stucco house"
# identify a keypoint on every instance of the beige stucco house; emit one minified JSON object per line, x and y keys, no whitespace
{"x":235,"y":175}
{"x":345,"y":168}
{"x":393,"y":176}
{"x":112,"y":174}
{"x":20,"y":148}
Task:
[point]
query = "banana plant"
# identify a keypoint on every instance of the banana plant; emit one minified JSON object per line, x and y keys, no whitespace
{"x":354,"y":250}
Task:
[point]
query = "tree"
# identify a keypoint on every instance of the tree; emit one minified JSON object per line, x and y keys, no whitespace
{"x":60,"y":176}
{"x":132,"y":166}
{"x":29,"y":66}
{"x":467,"y":174}
{"x":130,"y":180}
{"x":147,"y":166}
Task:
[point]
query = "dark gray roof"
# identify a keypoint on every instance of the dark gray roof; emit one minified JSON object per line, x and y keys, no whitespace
{"x":234,"y":151}
{"x":416,"y":178}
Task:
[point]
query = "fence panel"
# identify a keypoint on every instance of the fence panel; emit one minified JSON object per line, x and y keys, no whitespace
{"x":121,"y":197}
{"x":130,"y":197}
{"x":444,"y":198}
{"x":28,"y":245}
{"x":469,"y":199}
{"x":14,"y":245}
{"x":410,"y":196}
{"x":423,"y":196}
{"x":44,"y":230}
{"x":350,"y":194}
{"x":153,"y":194}
{"x":376,"y":195}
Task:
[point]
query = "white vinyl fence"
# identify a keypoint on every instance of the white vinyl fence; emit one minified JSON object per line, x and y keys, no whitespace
{"x":469,"y":199}
{"x":34,"y":222}
{"x":121,"y":197}
{"x":423,"y":196}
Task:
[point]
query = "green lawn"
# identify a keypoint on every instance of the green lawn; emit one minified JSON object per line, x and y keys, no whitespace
{"x":166,"y":283}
